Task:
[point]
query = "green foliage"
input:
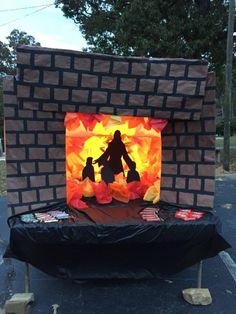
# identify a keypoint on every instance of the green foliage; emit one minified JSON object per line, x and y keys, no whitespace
{"x":8,"y":50}
{"x":220,"y":127}
{"x":8,"y":60}
{"x":3,"y":183}
{"x":220,"y":88}
{"x":1,"y":109}
{"x":190,"y":29}
{"x":233,"y":125}
{"x":175,"y":28}
{"x":5,"y":59}
{"x":18,"y":38}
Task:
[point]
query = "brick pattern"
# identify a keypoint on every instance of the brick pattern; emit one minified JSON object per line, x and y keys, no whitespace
{"x":188,"y":157}
{"x":73,"y":81}
{"x":52,"y":81}
{"x":35,"y":154}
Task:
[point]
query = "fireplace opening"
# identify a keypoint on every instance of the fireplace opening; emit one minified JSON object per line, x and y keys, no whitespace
{"x":112,"y":158}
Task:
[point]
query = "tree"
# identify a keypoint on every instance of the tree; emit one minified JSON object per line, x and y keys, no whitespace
{"x":5,"y":59}
{"x":8,"y":50}
{"x":8,"y":60}
{"x":177,"y":28}
{"x":1,"y":111}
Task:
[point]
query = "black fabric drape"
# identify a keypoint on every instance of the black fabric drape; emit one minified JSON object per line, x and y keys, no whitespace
{"x":114,"y":242}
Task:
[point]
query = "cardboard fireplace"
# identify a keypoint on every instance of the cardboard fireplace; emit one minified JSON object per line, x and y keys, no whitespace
{"x":101,"y":92}
{"x":111,"y":136}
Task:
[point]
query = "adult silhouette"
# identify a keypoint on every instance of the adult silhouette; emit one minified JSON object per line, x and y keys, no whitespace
{"x":113,"y":154}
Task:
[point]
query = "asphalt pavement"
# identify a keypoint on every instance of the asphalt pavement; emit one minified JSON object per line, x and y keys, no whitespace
{"x":159,"y":296}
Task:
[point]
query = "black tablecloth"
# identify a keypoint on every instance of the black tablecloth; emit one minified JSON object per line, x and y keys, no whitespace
{"x":114,"y":242}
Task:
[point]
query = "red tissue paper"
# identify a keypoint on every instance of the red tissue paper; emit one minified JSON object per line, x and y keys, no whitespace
{"x":77,"y":203}
{"x":74,"y":194}
{"x":136,"y":189}
{"x":102,"y":193}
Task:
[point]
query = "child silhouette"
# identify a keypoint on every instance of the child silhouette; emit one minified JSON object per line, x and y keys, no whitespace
{"x":133,"y":174}
{"x":88,"y":171}
{"x":106,"y":173}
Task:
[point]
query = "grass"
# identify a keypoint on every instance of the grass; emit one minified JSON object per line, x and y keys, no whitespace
{"x":232,"y":160}
{"x":233,"y":164}
{"x":3,"y":183}
{"x":220,"y":141}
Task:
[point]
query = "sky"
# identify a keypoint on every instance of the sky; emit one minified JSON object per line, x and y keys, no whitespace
{"x":48,"y":26}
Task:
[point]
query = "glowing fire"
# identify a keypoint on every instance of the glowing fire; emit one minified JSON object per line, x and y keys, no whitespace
{"x":89,"y":135}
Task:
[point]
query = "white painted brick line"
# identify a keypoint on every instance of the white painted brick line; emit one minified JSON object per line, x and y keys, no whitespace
{"x":229,"y":263}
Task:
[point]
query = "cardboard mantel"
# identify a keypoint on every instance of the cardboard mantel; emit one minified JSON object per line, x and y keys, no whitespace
{"x":51,"y":82}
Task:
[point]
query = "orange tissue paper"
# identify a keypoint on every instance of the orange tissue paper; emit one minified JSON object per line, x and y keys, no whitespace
{"x":88,"y":190}
{"x":119,"y":191}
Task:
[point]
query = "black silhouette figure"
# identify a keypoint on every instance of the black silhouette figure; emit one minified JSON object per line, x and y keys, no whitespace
{"x":113,"y":154}
{"x":107,"y":173}
{"x":133,"y":174}
{"x":88,"y":171}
